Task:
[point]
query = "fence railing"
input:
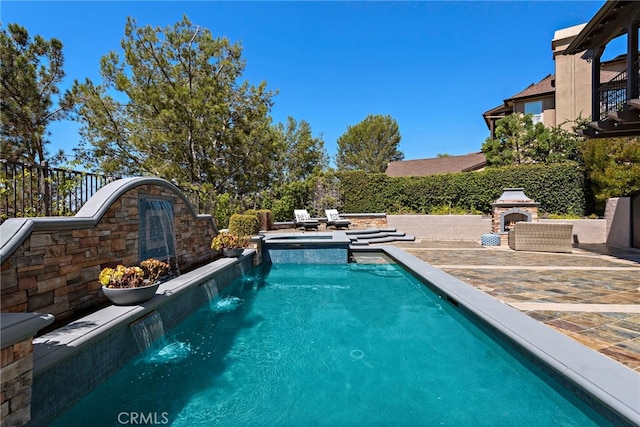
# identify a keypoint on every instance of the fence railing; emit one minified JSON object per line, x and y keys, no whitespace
{"x":613,"y":94}
{"x":38,"y":190}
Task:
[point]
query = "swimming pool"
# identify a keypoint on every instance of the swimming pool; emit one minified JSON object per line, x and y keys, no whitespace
{"x":352,"y":344}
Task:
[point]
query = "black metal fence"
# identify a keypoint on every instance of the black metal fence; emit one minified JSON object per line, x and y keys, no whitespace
{"x":39,"y":190}
{"x":613,"y":94}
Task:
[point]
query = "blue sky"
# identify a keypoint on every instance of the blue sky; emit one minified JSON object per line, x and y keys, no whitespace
{"x":435,"y":67}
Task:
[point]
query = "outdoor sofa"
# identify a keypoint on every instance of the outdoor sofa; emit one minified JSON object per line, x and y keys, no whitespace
{"x":541,"y":237}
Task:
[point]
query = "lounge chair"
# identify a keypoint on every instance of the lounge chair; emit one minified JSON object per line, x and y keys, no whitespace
{"x":303,"y":220}
{"x":333,"y":219}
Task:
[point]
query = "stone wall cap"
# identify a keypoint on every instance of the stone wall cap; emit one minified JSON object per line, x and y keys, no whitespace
{"x":18,"y":327}
{"x":363,"y":215}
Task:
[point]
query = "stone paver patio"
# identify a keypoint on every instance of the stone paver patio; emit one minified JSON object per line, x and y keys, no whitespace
{"x":591,"y":295}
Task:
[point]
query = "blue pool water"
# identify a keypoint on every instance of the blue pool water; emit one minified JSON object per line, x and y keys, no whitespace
{"x":329,"y":345}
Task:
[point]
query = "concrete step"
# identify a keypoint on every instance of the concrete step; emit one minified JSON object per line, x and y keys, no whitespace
{"x":392,"y":239}
{"x":378,"y":235}
{"x":370,"y":231}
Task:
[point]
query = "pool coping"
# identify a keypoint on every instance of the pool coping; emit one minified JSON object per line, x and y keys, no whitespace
{"x":612,"y":383}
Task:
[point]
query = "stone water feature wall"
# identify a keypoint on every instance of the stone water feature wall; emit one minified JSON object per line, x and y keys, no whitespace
{"x":51,"y":265}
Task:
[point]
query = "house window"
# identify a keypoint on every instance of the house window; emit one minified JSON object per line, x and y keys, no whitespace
{"x":534,"y":108}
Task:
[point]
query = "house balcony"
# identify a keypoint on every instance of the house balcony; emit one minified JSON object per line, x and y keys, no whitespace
{"x":619,"y":107}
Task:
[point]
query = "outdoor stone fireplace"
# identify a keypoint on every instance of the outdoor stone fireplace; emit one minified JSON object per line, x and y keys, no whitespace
{"x":512,"y":206}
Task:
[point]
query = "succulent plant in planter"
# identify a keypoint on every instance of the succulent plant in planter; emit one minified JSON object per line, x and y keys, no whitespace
{"x":131,"y":285}
{"x":154,"y":268}
{"x":230,"y":244}
{"x":122,"y":277}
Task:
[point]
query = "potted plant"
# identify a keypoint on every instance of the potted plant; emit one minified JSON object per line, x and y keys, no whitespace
{"x":231,"y":245}
{"x":132,"y":285}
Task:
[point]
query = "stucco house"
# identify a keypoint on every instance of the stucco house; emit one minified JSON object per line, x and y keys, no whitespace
{"x":561,"y":97}
{"x":615,"y":102}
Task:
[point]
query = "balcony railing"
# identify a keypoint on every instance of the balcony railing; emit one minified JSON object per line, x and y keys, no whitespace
{"x":613,"y":94}
{"x":34,"y":190}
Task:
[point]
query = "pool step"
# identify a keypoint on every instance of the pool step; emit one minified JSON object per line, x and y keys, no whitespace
{"x":393,"y":239}
{"x":374,"y":235}
{"x":370,"y":231}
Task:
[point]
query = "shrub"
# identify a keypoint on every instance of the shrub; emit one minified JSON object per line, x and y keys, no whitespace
{"x":453,"y":210}
{"x":283,"y":208}
{"x":224,"y":207}
{"x":264,"y":217}
{"x":254,"y":213}
{"x":244,"y":225}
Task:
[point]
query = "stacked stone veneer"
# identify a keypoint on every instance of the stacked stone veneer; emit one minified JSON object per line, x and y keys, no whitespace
{"x":498,"y":211}
{"x":55,"y":269}
{"x":512,"y":201}
{"x":17,"y":376}
{"x":364,"y":220}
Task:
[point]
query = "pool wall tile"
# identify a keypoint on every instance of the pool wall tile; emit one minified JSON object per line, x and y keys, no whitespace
{"x":306,"y":256}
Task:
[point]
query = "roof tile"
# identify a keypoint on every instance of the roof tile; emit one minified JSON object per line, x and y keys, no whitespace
{"x":438,"y":165}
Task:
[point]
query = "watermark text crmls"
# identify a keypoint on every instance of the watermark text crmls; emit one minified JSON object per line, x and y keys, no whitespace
{"x":143,"y":418}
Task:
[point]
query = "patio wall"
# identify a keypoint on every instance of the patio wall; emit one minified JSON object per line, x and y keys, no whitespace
{"x":441,"y":227}
{"x":618,"y":215}
{"x":472,"y":227}
{"x":585,"y":230}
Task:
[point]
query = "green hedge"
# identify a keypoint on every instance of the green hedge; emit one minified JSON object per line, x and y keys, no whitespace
{"x":560,"y":189}
{"x":295,"y":195}
{"x":244,"y":225}
{"x":264,"y":217}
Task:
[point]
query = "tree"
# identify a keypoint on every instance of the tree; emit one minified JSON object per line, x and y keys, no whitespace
{"x":31,"y":71}
{"x":370,"y":145}
{"x":303,"y":154}
{"x":613,"y":166}
{"x":561,"y":145}
{"x":517,"y":141}
{"x":174,"y":107}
